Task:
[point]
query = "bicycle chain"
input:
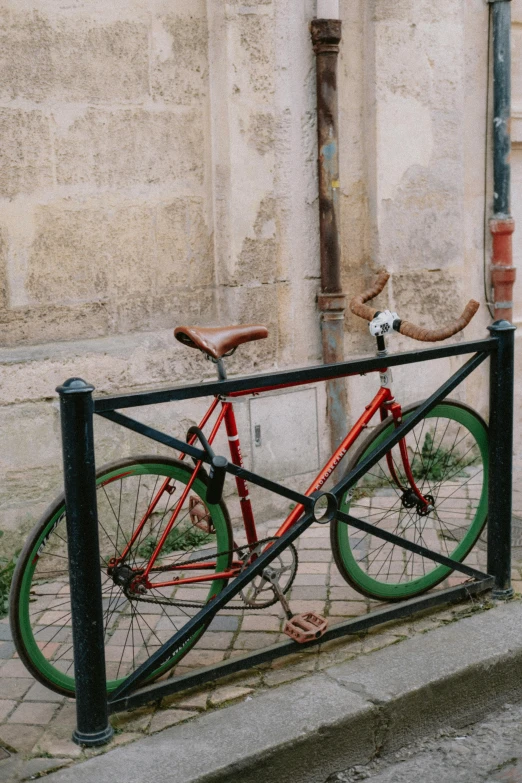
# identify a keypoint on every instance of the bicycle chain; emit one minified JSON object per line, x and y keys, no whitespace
{"x":200,"y":605}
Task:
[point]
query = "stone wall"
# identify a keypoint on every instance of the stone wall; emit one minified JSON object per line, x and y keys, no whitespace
{"x":158,"y":166}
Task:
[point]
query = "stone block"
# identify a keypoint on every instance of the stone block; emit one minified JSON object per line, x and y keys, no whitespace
{"x":33,"y":713}
{"x":256,"y":53}
{"x":25,"y":154}
{"x":180,"y":59}
{"x":228,"y":693}
{"x":130,"y":147}
{"x":100,"y":253}
{"x":72,"y":58}
{"x":185,"y":254}
{"x":114,"y":259}
{"x":165,"y":718}
{"x":29,"y":324}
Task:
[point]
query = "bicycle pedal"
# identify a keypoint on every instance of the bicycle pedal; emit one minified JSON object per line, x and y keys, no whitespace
{"x":306,"y":627}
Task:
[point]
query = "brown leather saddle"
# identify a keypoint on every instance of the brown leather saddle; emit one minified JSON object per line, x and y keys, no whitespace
{"x":219,"y":341}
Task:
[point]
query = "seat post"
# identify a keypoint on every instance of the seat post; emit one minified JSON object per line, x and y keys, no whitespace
{"x":222,"y":373}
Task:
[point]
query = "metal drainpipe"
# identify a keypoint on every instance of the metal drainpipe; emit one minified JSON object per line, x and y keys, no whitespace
{"x":326,"y":37}
{"x":502,"y":225}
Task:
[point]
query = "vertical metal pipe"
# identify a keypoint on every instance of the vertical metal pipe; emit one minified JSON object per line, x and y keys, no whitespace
{"x":76,"y":410}
{"x":326,"y":37}
{"x":501,"y":458}
{"x":502,"y":225}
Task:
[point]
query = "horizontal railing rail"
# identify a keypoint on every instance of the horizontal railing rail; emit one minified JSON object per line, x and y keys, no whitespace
{"x":301,"y":376}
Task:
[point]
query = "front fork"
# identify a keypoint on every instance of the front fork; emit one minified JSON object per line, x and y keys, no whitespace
{"x":411,"y":494}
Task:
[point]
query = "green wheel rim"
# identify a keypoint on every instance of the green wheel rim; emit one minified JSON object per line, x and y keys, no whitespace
{"x":396,"y":591}
{"x":45,"y":667}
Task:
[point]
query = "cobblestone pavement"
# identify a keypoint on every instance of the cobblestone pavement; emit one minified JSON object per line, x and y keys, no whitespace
{"x":36,"y":724}
{"x":487,"y":752}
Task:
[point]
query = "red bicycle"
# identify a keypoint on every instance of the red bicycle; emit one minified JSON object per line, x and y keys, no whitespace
{"x":167,"y":548}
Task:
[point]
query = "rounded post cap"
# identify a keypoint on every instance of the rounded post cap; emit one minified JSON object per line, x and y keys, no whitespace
{"x":75,"y":386}
{"x":502,"y":326}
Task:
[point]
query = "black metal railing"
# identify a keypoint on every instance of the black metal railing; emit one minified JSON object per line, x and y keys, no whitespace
{"x":77,"y":410}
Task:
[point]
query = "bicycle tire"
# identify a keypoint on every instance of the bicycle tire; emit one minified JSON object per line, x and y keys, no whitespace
{"x":39,"y":600}
{"x":448,"y":452}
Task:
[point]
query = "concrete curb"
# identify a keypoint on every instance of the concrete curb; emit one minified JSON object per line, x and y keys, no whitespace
{"x":304,"y":731}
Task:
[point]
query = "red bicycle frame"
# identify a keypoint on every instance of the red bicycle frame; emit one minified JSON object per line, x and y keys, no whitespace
{"x":382,"y":402}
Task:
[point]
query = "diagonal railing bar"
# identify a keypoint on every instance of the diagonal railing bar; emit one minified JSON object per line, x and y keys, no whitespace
{"x":192,"y":451}
{"x":305,"y":375}
{"x":409,"y":545}
{"x":353,"y":477}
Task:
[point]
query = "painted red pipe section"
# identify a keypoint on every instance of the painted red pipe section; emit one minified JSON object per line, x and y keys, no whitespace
{"x":503,"y":273}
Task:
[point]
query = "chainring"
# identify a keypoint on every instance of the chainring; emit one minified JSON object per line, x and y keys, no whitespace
{"x":259,"y":594}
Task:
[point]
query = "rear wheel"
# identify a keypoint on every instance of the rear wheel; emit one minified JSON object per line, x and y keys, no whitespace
{"x":135,"y":628}
{"x":448,"y":454}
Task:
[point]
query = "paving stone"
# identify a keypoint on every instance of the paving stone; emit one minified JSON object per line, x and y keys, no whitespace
{"x":318,"y":542}
{"x":215,"y":641}
{"x":5,"y":632}
{"x":198,"y":701}
{"x":311,"y":593}
{"x":33,"y":768}
{"x":345,"y":593}
{"x":313,"y":568}
{"x":251,"y":640}
{"x":315,"y":532}
{"x":315,"y":556}
{"x":13,"y":668}
{"x":347,"y":608}
{"x":203,"y":658}
{"x":229,"y":693}
{"x":224,"y":623}
{"x":16,"y":768}
{"x":303,"y":580}
{"x":165,"y":718}
{"x":65,"y":720}
{"x":22,"y":739}
{"x":6,"y":706}
{"x":278,"y":677}
{"x":15,"y":688}
{"x":57,"y":746}
{"x":33,"y":713}
{"x":135,"y":720}
{"x":377,"y":641}
{"x":39,"y":692}
{"x":261,"y":622}
{"x":51,"y":633}
{"x":7,"y":650}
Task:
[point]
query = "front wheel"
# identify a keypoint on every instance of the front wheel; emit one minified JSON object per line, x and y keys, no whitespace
{"x":135,"y":627}
{"x":448,"y":455}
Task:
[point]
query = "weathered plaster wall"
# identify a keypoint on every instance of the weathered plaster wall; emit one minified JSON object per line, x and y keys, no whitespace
{"x":413,"y":103}
{"x":158,"y":165}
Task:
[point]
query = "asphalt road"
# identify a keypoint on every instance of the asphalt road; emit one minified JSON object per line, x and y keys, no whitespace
{"x":486,"y":752}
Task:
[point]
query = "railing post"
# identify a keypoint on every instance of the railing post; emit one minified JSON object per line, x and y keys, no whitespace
{"x":501,"y":458}
{"x":76,"y":410}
